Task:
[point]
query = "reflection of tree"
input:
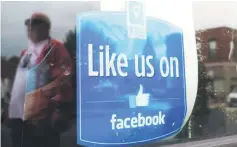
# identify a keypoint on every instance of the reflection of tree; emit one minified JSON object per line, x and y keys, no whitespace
{"x":70,"y":45}
{"x":8,"y":67}
{"x":198,"y":120}
{"x":13,"y":62}
{"x":201,"y":111}
{"x":3,"y":67}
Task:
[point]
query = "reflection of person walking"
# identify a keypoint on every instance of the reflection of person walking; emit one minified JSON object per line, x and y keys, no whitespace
{"x":37,"y":118}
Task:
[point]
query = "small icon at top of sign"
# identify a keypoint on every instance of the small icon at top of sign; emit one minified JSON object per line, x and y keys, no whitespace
{"x":136,"y":19}
{"x":136,"y":14}
{"x":136,"y":11}
{"x":139,"y":100}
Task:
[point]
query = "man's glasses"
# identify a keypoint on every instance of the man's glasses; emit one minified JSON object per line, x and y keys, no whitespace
{"x":34,"y":22}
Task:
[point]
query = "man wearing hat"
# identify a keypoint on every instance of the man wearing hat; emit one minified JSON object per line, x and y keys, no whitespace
{"x":41,"y":94}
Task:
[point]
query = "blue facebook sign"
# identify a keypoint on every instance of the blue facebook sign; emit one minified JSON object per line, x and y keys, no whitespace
{"x":130,"y":90}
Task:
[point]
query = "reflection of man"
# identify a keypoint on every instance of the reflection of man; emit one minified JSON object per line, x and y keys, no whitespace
{"x":37,"y":116}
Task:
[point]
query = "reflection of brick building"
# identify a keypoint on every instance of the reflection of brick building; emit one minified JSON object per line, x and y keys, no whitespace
{"x":215,"y":45}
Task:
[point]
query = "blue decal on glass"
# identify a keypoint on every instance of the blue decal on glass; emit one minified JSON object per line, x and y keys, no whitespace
{"x":130,"y":91}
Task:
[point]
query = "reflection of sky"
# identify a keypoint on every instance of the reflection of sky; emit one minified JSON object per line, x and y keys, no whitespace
{"x":15,"y":40}
{"x":62,"y":15}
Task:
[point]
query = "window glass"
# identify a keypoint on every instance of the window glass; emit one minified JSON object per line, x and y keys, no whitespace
{"x":217,"y":38}
{"x":234,"y":89}
{"x":212,"y":49}
{"x":214,"y":113}
{"x":219,"y":85}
